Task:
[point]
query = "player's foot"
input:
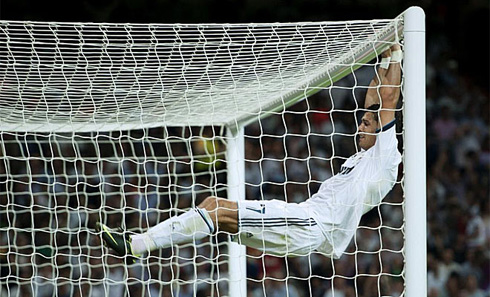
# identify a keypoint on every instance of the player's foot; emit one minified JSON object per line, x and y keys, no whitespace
{"x":118,"y":241}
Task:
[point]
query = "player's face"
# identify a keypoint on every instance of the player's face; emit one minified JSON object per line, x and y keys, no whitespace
{"x":366,"y":130}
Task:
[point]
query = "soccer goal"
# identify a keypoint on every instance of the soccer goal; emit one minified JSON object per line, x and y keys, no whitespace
{"x":130,"y":124}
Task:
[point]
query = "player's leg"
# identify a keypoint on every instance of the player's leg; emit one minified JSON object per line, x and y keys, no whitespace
{"x":278,"y":228}
{"x":194,"y":224}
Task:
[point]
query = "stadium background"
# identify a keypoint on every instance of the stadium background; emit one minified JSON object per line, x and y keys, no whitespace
{"x":458,"y":148}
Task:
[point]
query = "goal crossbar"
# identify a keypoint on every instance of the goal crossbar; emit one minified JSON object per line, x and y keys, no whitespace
{"x":100,"y":77}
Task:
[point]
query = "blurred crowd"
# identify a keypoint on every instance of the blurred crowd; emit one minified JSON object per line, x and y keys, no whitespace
{"x":458,"y":164}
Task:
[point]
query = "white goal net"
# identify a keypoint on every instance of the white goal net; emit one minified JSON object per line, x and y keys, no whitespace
{"x":130,"y":124}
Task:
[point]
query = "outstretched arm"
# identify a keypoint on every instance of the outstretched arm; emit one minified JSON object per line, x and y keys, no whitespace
{"x":384,"y":89}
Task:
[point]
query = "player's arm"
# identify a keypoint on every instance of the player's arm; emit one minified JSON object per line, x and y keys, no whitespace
{"x":384,"y":89}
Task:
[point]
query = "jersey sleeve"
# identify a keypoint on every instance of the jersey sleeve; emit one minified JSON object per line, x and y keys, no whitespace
{"x":385,"y":150}
{"x":386,"y":138}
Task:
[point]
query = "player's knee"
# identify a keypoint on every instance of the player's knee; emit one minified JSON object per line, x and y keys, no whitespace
{"x":209,"y":203}
{"x":223,"y":212}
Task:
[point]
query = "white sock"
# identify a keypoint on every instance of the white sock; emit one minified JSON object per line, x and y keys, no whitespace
{"x":195,"y":224}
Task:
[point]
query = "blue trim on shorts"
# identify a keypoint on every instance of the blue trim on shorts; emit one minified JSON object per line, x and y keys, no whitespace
{"x":277,"y":222}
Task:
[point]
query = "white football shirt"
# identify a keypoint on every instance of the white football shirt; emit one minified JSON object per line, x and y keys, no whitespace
{"x":363,"y":181}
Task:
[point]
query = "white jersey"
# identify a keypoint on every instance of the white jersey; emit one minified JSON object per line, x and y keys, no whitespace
{"x":363,"y":181}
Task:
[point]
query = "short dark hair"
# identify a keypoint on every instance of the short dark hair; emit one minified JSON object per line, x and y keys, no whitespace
{"x":374,"y":108}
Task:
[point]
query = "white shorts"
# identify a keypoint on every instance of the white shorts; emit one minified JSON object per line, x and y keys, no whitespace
{"x":277,"y":227}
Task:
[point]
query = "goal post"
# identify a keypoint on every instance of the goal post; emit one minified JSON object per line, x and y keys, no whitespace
{"x":415,"y":163}
{"x":236,"y":192}
{"x":131,"y":124}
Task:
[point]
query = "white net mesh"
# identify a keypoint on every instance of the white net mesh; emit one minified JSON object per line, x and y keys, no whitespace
{"x":55,"y":187}
{"x":125,"y":124}
{"x":61,"y":77}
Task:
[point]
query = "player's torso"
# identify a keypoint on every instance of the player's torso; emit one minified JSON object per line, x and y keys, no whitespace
{"x":350,"y":174}
{"x":359,"y":177}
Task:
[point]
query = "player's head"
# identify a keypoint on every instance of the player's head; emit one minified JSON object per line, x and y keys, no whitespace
{"x":367,"y":127}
